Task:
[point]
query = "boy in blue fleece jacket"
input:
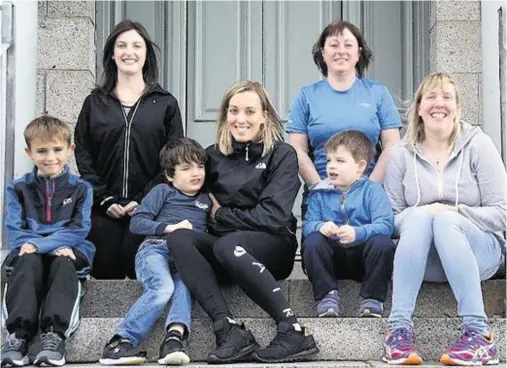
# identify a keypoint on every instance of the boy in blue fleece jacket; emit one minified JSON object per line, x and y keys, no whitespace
{"x":48,"y":219}
{"x":348,"y":228}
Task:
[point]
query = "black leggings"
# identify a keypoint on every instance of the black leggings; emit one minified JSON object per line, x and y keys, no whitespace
{"x":254,"y":260}
{"x":116,"y":247}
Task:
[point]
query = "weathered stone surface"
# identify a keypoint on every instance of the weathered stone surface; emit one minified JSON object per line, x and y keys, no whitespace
{"x":457,"y":10}
{"x":338,"y":339}
{"x":66,"y":43}
{"x":58,"y":9}
{"x":66,"y":92}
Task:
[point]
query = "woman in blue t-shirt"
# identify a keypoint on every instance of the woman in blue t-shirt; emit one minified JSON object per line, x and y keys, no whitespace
{"x":345,"y":100}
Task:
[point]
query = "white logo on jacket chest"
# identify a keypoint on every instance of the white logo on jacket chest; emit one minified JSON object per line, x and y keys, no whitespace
{"x":66,"y":201}
{"x":260,"y":166}
{"x":202,"y":206}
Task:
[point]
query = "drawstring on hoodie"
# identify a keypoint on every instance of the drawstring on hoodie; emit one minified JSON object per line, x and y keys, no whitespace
{"x":456,"y":187}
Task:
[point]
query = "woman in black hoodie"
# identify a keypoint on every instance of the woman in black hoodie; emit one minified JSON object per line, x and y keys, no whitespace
{"x":121,"y":129}
{"x":252,"y":176}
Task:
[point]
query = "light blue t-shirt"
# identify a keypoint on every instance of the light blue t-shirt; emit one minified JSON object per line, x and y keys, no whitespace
{"x":319,"y":111}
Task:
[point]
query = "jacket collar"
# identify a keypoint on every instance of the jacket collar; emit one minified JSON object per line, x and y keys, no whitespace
{"x":255,"y":149}
{"x":325,"y":185}
{"x":61,"y":178}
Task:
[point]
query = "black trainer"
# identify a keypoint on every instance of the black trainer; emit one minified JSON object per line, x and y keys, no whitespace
{"x":14,"y":352}
{"x":171,"y":351}
{"x":288,"y":345}
{"x":120,"y":351}
{"x":52,"y":352}
{"x":234,"y":342}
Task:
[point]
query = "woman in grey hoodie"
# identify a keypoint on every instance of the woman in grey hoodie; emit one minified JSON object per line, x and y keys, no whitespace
{"x":447,"y":185}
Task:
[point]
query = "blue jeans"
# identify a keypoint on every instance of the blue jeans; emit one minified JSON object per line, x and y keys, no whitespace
{"x":442,"y":247}
{"x":152,"y":270}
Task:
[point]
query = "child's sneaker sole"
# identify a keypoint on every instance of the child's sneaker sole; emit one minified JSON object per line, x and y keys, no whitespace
{"x":123,"y":361}
{"x":329,"y":313}
{"x":46,"y":362}
{"x":367,"y":313}
{"x":412,"y":359}
{"x":447,"y":360}
{"x":175,"y":358}
{"x":7,"y":362}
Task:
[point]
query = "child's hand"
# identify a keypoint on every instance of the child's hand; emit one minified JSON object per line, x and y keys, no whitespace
{"x":346,"y":233}
{"x":27,"y":248}
{"x":329,"y":229}
{"x":115,"y":211}
{"x":130,"y":207}
{"x":185,"y":224}
{"x":66,"y":252}
{"x":216,"y":205}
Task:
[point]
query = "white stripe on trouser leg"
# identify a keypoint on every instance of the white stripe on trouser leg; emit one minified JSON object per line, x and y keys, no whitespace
{"x":74,"y":317}
{"x":5,"y":314}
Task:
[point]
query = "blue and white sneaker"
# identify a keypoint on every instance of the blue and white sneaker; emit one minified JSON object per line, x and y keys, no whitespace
{"x":371,"y":308}
{"x":329,"y":306}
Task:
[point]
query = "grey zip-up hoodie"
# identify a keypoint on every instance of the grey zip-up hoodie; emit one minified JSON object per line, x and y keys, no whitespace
{"x":474,"y":180}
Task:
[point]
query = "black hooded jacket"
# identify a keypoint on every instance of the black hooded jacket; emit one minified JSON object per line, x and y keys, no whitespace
{"x":119,"y":155}
{"x":256,"y":193}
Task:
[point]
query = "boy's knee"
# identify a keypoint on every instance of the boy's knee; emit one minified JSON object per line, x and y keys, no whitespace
{"x":314,"y":241}
{"x":32,"y":260}
{"x":382,"y":243}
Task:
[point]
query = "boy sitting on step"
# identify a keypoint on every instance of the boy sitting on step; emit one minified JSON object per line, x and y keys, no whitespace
{"x":48,"y":219}
{"x":177,"y":204}
{"x":347,"y":229}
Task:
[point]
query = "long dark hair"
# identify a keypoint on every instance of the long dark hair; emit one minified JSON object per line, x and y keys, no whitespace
{"x":110,"y":73}
{"x":333,"y":29}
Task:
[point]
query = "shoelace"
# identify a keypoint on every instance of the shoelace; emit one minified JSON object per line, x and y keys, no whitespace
{"x":402,"y":338}
{"x":50,"y":341}
{"x":466,"y":340}
{"x":13,"y":343}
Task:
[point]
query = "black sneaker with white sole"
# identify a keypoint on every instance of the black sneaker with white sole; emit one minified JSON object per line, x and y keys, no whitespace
{"x":234,"y":342}
{"x":120,"y":351}
{"x":172,"y":351}
{"x":292,"y":343}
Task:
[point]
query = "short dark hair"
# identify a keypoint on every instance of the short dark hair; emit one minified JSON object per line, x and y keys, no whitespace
{"x":179,"y":151}
{"x":110,"y":72}
{"x":47,"y":128}
{"x":336,"y":28}
{"x":354,"y":141}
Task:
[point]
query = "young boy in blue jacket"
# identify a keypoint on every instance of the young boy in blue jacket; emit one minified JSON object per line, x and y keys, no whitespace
{"x":348,"y":228}
{"x":48,"y":219}
{"x":177,"y":204}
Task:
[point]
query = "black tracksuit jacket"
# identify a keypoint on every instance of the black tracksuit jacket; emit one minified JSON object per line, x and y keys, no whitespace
{"x":118,"y":154}
{"x":256,"y":193}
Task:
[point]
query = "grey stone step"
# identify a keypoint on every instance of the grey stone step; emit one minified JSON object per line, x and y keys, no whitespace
{"x":349,"y":339}
{"x":111,"y":299}
{"x":312,"y":364}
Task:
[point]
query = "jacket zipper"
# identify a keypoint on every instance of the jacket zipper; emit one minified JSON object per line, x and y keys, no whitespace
{"x":342,"y":208}
{"x":439,"y":185}
{"x":48,"y":200}
{"x":126,"y":157}
{"x":246,"y":152}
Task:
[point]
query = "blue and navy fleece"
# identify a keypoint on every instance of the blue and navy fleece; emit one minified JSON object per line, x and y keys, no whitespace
{"x":50,"y":213}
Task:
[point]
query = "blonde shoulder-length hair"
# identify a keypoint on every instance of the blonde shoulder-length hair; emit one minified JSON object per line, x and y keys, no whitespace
{"x":415,"y":129}
{"x":271,"y":129}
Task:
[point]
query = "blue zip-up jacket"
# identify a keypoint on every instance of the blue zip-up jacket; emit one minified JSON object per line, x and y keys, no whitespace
{"x":364,"y":206}
{"x":165,"y":205}
{"x":50,"y":213}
